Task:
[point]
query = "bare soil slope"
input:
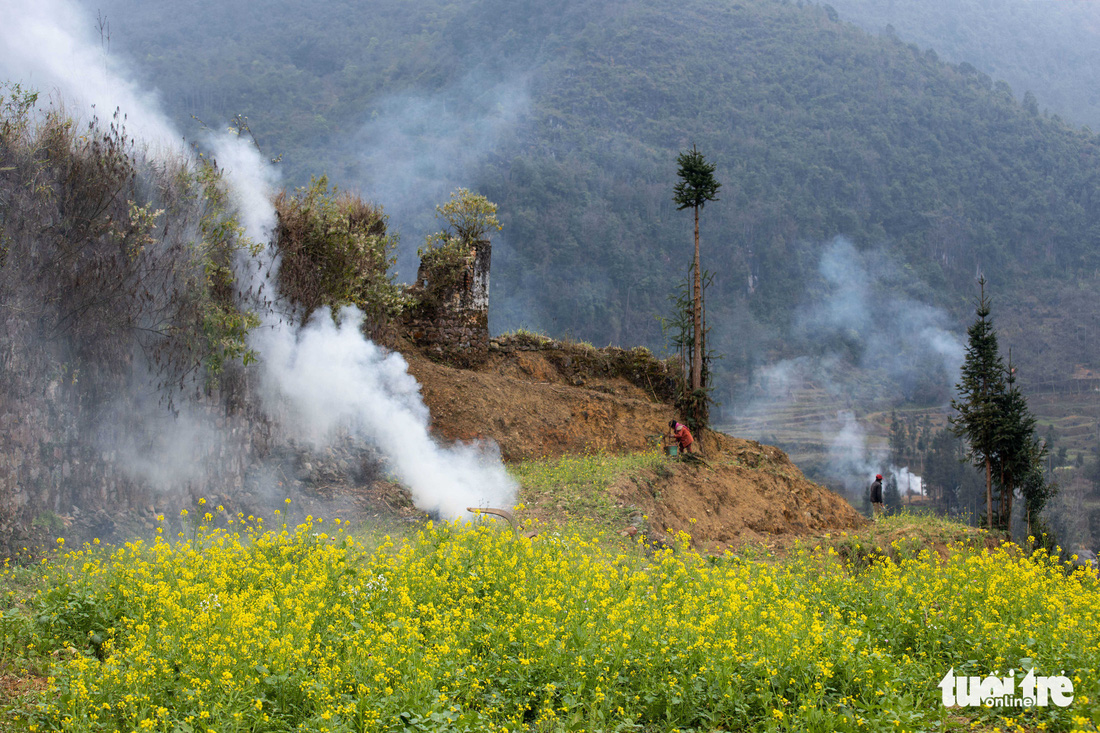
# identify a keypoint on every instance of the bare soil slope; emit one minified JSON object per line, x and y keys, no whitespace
{"x":533,"y":409}
{"x":745,"y":492}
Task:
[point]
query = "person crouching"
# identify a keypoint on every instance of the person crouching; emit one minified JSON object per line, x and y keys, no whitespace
{"x":679,"y":433}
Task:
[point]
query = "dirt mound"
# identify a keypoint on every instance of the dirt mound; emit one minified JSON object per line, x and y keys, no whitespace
{"x":743,"y":492}
{"x":538,"y":404}
{"x":532,"y":410}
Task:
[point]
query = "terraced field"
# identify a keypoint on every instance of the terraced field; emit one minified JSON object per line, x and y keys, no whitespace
{"x":810,"y":423}
{"x":1074,"y":417}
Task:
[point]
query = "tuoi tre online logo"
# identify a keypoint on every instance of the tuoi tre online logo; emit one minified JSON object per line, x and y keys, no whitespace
{"x":1002,"y":691}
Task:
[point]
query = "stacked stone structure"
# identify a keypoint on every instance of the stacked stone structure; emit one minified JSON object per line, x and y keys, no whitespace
{"x":451,"y":318}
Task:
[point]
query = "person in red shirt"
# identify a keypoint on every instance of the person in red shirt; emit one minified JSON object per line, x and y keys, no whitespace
{"x":679,"y":432}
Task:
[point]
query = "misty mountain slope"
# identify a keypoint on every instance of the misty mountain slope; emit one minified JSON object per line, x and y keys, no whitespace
{"x":569,"y":115}
{"x":816,"y":130}
{"x":1050,"y":49}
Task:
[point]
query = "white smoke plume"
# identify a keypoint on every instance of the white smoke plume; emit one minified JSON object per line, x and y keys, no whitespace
{"x":332,"y":379}
{"x":889,"y":330}
{"x":251,"y":181}
{"x":869,"y":346}
{"x":419,"y":146}
{"x":328,"y":378}
{"x":852,"y":461}
{"x":53,"y":46}
{"x":908,"y":481}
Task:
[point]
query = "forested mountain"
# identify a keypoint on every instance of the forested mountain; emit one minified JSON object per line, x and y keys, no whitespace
{"x":570,"y":114}
{"x":1048,"y":49}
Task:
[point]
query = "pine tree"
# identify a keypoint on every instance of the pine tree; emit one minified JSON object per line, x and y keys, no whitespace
{"x":697,"y":186}
{"x":979,"y":395}
{"x":891,"y":494}
{"x":1020,"y":454}
{"x":897,"y":439}
{"x":1016,"y":445}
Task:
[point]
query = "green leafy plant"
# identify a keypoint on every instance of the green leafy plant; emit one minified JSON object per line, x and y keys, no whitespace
{"x":469,"y":217}
{"x":224,"y":323}
{"x":335,"y":251}
{"x":447,"y":255}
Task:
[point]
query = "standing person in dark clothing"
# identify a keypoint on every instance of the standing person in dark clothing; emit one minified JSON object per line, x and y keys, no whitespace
{"x":877,"y":507}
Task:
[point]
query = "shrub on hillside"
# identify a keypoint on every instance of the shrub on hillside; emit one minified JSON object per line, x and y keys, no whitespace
{"x":335,"y":251}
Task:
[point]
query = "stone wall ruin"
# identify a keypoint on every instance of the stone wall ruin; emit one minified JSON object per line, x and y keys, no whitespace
{"x":451,"y":319}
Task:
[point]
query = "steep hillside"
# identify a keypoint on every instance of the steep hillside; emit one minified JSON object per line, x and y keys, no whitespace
{"x":1046,"y":50}
{"x":531,"y":410}
{"x":747,"y":492}
{"x":537,"y":406}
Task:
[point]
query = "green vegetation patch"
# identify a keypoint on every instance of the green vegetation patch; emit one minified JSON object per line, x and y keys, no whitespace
{"x":905,"y":536}
{"x":579,"y":486}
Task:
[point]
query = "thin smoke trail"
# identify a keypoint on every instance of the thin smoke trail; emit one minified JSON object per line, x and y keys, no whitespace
{"x":866,"y":343}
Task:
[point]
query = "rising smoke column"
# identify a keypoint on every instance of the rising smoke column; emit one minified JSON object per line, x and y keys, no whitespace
{"x":49,"y":45}
{"x":333,"y":379}
{"x":861,"y":319}
{"x":326,"y":378}
{"x":329,"y":378}
{"x":851,"y":461}
{"x":419,"y":146}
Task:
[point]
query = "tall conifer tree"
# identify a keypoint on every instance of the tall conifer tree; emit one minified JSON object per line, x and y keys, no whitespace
{"x":1020,"y":453}
{"x":1016,"y":442}
{"x":979,"y":394}
{"x":697,"y":186}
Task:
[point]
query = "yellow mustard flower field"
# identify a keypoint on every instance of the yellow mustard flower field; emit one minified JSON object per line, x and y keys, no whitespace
{"x":472,"y":628}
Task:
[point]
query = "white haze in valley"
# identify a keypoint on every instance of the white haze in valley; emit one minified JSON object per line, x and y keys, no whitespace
{"x":860,"y":320}
{"x":323,"y":380}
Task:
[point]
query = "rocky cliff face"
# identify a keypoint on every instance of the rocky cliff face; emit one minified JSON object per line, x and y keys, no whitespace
{"x":76,"y":463}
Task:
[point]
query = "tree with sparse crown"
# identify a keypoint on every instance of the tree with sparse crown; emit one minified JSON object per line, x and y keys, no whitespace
{"x":697,"y":186}
{"x":335,"y":250}
{"x":978,"y":402}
